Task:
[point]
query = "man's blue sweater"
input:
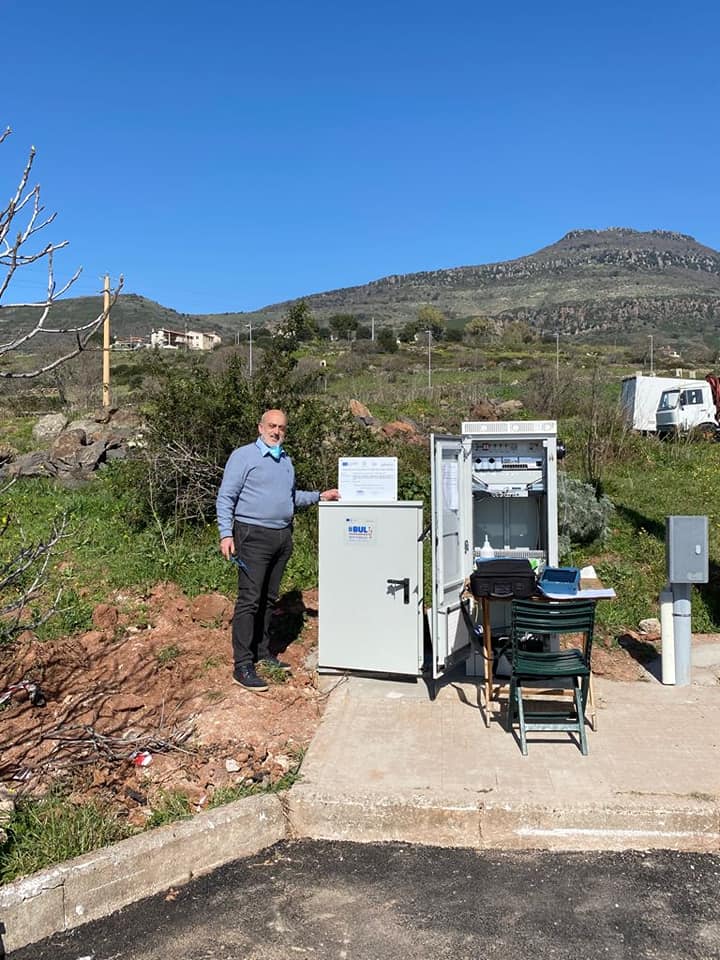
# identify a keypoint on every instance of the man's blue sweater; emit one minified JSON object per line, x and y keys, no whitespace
{"x":260,"y":490}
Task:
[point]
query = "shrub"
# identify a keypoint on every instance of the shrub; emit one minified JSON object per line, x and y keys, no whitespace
{"x":582,"y":517}
{"x":196,"y":419}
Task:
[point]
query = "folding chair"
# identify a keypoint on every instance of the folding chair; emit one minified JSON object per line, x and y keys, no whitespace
{"x":551,"y":670}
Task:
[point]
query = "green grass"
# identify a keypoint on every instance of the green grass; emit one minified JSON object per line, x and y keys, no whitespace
{"x":41,"y":833}
{"x":17,"y":432}
{"x":173,"y":805}
{"x":48,"y":831}
{"x":101,"y":552}
{"x":273,"y":674}
{"x":655,"y":481}
{"x":168,"y":654}
{"x":211,"y":663}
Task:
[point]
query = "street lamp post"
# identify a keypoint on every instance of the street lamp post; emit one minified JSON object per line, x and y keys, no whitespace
{"x":250,"y":363}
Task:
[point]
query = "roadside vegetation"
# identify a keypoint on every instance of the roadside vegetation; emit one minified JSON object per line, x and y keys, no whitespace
{"x":151,"y":519}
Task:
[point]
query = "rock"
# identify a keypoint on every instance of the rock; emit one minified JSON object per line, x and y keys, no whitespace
{"x":398,"y":429}
{"x":116,"y":453}
{"x":649,"y":627}
{"x":282,"y":762}
{"x":93,"y":430}
{"x":89,"y":457}
{"x":508,"y":408}
{"x":35,"y":464}
{"x":66,"y":446}
{"x":72,"y":478}
{"x":126,"y":702}
{"x":7,"y":808}
{"x":104,"y":414}
{"x":211,"y":608}
{"x":232,"y":766}
{"x":411,"y":423}
{"x":105,"y":617}
{"x":127,"y":419}
{"x":361,"y":413}
{"x":7,"y":453}
{"x":125,"y":425}
{"x":483,"y":410}
{"x":196,"y":794}
{"x":48,"y":427}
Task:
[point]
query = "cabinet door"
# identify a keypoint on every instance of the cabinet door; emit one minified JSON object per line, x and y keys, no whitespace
{"x":451,"y":509}
{"x":370,"y":587}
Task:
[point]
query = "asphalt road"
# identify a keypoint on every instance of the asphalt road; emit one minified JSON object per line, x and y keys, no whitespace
{"x":391,"y":901}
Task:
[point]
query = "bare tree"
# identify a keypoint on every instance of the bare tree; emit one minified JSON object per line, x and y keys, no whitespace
{"x":20,"y":222}
{"x":23,"y":575}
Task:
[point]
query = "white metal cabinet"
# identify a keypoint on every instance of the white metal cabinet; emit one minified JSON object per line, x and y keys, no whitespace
{"x":497,"y":479}
{"x":371,"y":587}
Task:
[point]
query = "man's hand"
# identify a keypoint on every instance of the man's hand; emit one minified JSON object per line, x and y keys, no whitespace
{"x":330,"y":495}
{"x":227,"y":547}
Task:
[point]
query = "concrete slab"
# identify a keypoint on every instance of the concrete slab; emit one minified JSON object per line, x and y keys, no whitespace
{"x":389,"y":764}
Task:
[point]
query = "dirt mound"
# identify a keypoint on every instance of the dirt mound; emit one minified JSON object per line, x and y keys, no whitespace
{"x":145,"y":702}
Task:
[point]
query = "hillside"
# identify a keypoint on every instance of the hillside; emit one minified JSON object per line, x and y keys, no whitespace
{"x":596,"y":283}
{"x":132,"y":315}
{"x":591,"y":280}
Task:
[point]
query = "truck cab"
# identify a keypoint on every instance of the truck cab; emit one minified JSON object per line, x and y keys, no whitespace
{"x":685,"y":408}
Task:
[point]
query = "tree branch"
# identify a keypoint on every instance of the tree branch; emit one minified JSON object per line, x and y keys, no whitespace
{"x":13,"y":256}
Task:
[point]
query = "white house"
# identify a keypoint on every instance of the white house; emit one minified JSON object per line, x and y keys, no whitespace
{"x":202,"y":341}
{"x":189,"y":339}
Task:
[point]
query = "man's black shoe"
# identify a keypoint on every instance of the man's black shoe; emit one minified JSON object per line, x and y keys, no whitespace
{"x":246,"y":677}
{"x":274,"y":663}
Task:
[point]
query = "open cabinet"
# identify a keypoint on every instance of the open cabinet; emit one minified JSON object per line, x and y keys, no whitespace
{"x":496,"y":479}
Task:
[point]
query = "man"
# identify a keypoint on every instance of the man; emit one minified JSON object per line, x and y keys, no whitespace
{"x":255,"y":508}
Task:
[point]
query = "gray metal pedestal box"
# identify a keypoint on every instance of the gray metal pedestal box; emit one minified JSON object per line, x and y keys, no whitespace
{"x":687,"y":552}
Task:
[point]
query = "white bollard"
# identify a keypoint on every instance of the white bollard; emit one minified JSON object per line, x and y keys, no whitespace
{"x":668,"y":635}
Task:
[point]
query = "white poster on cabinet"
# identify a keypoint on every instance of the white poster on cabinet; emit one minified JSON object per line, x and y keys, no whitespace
{"x":368,"y":479}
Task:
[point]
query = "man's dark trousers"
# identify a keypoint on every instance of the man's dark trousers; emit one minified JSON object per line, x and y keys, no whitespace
{"x":264,"y":553}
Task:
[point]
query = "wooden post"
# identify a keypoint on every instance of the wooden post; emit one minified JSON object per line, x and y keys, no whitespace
{"x":106,"y":342}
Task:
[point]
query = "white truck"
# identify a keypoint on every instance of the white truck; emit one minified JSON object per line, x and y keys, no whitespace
{"x":690,"y":407}
{"x":640,"y":396}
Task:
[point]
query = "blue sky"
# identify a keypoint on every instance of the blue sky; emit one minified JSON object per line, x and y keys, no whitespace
{"x":227,"y":155}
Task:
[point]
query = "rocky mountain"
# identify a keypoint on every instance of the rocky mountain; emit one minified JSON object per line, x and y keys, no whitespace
{"x":596,"y":283}
{"x":589,"y":281}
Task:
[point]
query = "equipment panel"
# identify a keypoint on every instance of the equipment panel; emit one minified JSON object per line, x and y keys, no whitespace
{"x":508,"y":468}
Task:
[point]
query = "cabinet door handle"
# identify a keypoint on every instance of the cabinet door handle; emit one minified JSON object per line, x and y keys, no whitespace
{"x":405,"y":584}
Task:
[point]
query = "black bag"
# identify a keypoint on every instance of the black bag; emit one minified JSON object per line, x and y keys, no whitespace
{"x":503,"y":579}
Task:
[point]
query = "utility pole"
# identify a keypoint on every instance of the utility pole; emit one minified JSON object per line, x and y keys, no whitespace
{"x":557,"y":356}
{"x":249,"y":326}
{"x":372,"y":328}
{"x":652,"y":365}
{"x":106,"y":342}
{"x":429,"y":333}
